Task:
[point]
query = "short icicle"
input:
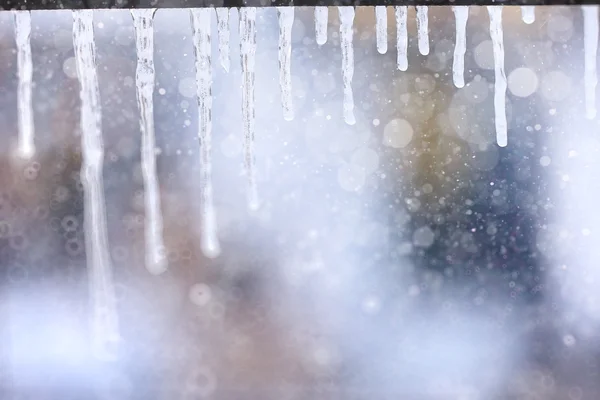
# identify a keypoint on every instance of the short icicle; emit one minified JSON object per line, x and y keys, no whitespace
{"x":401,"y":37}
{"x":26,"y":145}
{"x":590,"y":43}
{"x":156,"y":261}
{"x":346,"y":39}
{"x":202,"y":50}
{"x":423,"y":29}
{"x":461,"y":14}
{"x":528,"y":14}
{"x":381,"y":28}
{"x":248,"y":58}
{"x":104,"y":320}
{"x":497,"y":36}
{"x":286,"y":21}
{"x":223,"y":33}
{"x":321,"y":17}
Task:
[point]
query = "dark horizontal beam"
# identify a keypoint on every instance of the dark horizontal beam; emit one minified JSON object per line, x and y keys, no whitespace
{"x":127,"y":4}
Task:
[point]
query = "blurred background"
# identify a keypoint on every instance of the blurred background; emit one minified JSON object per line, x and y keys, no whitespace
{"x":407,"y":256}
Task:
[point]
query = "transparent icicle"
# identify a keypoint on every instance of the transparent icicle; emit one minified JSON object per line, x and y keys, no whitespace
{"x":26,"y":145}
{"x":248,"y":58}
{"x":223,"y":33}
{"x":156,"y":261}
{"x":461,"y":14}
{"x":497,"y":36}
{"x":423,"y":29}
{"x":590,"y":43}
{"x":401,"y":37}
{"x":286,"y":21}
{"x":346,"y":38}
{"x":321,"y":17}
{"x":105,"y":326}
{"x":528,"y":14}
{"x":381,"y":28}
{"x":202,"y":50}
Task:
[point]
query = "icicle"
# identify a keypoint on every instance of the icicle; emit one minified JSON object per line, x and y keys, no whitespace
{"x":321,"y":16}
{"x":286,"y":20}
{"x":202,"y":49}
{"x":590,"y":39}
{"x":156,"y":261}
{"x":223,"y":32}
{"x":528,"y":14}
{"x":381,"y":28}
{"x":401,"y":37}
{"x":423,"y":30}
{"x":495,"y":13}
{"x":346,"y":36}
{"x":461,"y":14}
{"x":105,"y":326}
{"x":248,"y":57}
{"x":26,"y":145}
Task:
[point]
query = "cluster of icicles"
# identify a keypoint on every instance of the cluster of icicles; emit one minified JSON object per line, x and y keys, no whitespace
{"x":105,"y":329}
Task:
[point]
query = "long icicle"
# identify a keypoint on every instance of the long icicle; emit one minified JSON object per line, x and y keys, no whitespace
{"x":248,"y":58}
{"x":497,"y":36}
{"x":321,"y":17}
{"x":461,"y":15}
{"x":105,"y":326}
{"x":528,"y":14}
{"x":381,"y":28}
{"x":286,"y":21}
{"x":590,"y":43}
{"x":26,"y":145}
{"x":346,"y":39}
{"x":156,"y":262}
{"x":202,"y":49}
{"x":401,"y":37}
{"x":423,"y":29}
{"x":223,"y":33}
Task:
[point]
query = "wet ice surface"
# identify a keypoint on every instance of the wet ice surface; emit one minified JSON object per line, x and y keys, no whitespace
{"x":378,"y":247}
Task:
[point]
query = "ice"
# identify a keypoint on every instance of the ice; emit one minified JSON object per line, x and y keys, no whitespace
{"x":346,"y":36}
{"x":248,"y":57}
{"x":105,"y":326}
{"x":26,"y":146}
{"x":223,"y":33}
{"x":321,"y":16}
{"x":156,"y":261}
{"x":286,"y":20}
{"x":202,"y":50}
{"x":401,"y":37}
{"x":423,"y":30}
{"x":590,"y":40}
{"x":528,"y":14}
{"x":381,"y":28}
{"x":496,"y":34}
{"x":461,"y":14}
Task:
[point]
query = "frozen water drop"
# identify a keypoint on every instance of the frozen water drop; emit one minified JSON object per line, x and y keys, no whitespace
{"x":286,"y":21}
{"x":461,"y":14}
{"x":590,"y":39}
{"x":401,"y":38}
{"x":346,"y":41}
{"x":381,"y":28}
{"x":496,"y":33}
{"x":423,"y":30}
{"x":321,"y":16}
{"x":528,"y":14}
{"x":26,"y":145}
{"x":201,"y":22}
